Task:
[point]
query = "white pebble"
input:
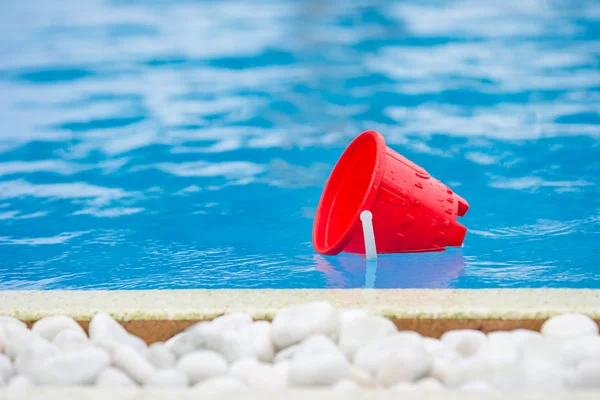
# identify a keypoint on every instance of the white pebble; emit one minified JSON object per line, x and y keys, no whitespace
{"x":21,"y":382}
{"x":406,"y":365}
{"x":569,"y":326}
{"x":285,"y":354}
{"x":540,"y":376}
{"x":373,"y":355}
{"x":345,"y":385}
{"x":403,"y":387}
{"x":432,"y":345}
{"x":201,"y":365}
{"x":260,"y":375}
{"x":362,"y":377}
{"x":294,"y":324}
{"x":587,"y":375}
{"x":317,"y":362}
{"x":181,"y":343}
{"x":39,"y":349}
{"x":359,"y":331}
{"x":476,"y":386}
{"x":107,"y":344}
{"x":232,"y":322}
{"x":429,"y":384}
{"x":103,"y":326}
{"x":260,"y":337}
{"x":465,"y":342}
{"x":496,"y":362}
{"x":233,"y":345}
{"x":68,"y":339}
{"x":317,"y":370}
{"x":11,"y":321}
{"x":132,"y":363}
{"x":2,"y":340}
{"x":441,"y":364}
{"x":73,"y":368}
{"x":49,"y":327}
{"x":218,"y":386}
{"x":6,"y":368}
{"x":169,"y":377}
{"x":160,"y":356}
{"x":316,"y":345}
{"x":17,"y":339}
{"x":113,"y":377}
{"x":575,"y":351}
{"x":348,"y":315}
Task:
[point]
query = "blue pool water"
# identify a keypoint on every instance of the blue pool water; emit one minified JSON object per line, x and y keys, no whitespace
{"x":181,"y":144}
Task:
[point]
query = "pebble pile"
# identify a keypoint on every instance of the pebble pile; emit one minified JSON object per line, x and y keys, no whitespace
{"x":310,"y":345}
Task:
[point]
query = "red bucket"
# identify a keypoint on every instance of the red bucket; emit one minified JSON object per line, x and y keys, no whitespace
{"x":412,"y":212}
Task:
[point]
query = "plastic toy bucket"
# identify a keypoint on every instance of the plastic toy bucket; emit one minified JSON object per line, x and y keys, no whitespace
{"x":412,"y":212}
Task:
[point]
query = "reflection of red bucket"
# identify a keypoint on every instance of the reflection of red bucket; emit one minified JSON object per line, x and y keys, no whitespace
{"x":412,"y":211}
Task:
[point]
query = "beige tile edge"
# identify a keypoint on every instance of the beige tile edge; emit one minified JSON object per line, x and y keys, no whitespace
{"x":115,"y":394}
{"x":393,"y":303}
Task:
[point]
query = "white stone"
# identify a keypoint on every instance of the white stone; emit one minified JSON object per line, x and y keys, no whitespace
{"x":69,"y":339}
{"x":406,"y":365}
{"x":347,"y":315}
{"x":21,"y":382}
{"x":575,"y":351}
{"x":169,"y":377}
{"x":17,"y":339}
{"x":242,"y":369}
{"x":432,"y":345}
{"x":132,"y":363}
{"x":6,"y":368}
{"x":260,"y":375}
{"x":218,"y":386}
{"x":49,"y":327}
{"x":316,"y":345}
{"x":543,"y":348}
{"x":476,"y":386}
{"x":362,"y":377}
{"x":495,"y":362}
{"x":359,"y":331}
{"x":232,"y":322}
{"x":260,"y":334}
{"x":465,"y":342}
{"x":429,"y":384}
{"x":78,"y":367}
{"x":181,"y":343}
{"x":587,"y":375}
{"x":2,"y":382}
{"x":113,"y":377}
{"x":285,"y":354}
{"x":233,"y":345}
{"x":404,"y":387}
{"x":160,"y":356}
{"x":11,"y":321}
{"x":103,"y":326}
{"x":442,"y":362}
{"x":2,"y":340}
{"x":569,"y":326}
{"x":345,"y":385}
{"x":107,"y":344}
{"x":373,"y":355}
{"x":540,"y":376}
{"x":38,"y":350}
{"x":294,"y":324}
{"x":317,"y":362}
{"x":201,"y":365}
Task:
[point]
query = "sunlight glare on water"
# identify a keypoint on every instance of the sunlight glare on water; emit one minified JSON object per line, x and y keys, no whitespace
{"x":181,"y":144}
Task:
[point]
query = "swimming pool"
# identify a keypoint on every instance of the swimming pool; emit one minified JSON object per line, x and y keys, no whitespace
{"x":179,"y":144}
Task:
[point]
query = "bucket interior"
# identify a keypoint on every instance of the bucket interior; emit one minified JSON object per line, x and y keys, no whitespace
{"x":345,"y":193}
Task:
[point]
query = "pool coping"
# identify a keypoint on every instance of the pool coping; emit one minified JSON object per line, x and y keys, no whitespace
{"x":156,"y":315}
{"x":200,"y":304}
